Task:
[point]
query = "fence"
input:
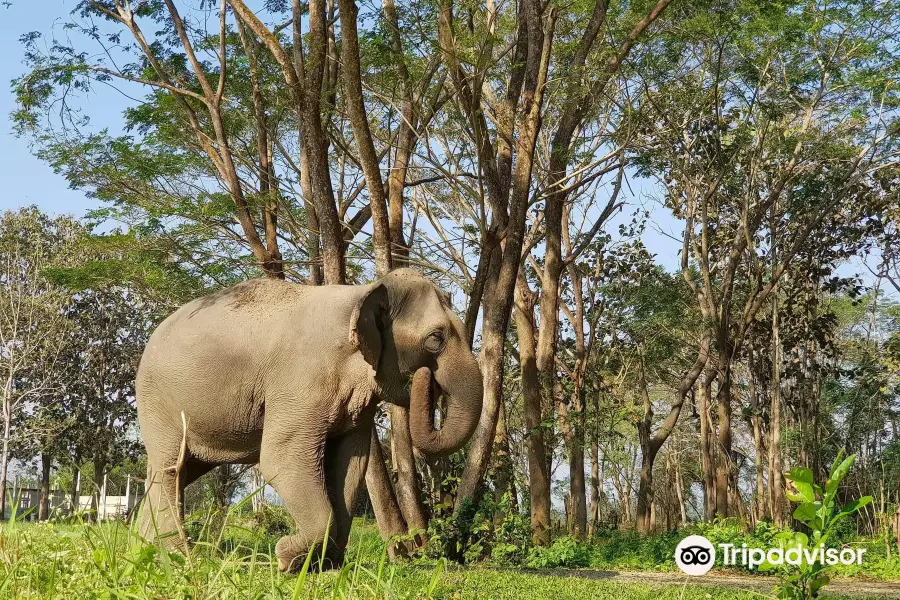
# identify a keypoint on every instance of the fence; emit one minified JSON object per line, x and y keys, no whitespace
{"x":27,"y":500}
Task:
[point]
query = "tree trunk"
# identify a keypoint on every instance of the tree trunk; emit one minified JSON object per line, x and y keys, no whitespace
{"x":706,"y":456}
{"x":760,"y":502}
{"x":258,"y":486}
{"x":224,"y":478}
{"x":496,"y":318}
{"x":4,"y":454}
{"x":896,"y":525}
{"x":576,"y":468}
{"x":724,"y":463}
{"x":4,"y":470}
{"x":99,"y":471}
{"x":74,"y":491}
{"x":313,"y":136}
{"x":577,"y":488}
{"x":594,"y":513}
{"x":566,"y":422}
{"x":44,"y":508}
{"x":643,"y":522}
{"x":623,"y":488}
{"x":670,"y":484}
{"x":737,"y":503}
{"x":538,"y":472}
{"x":776,"y":476}
{"x":679,"y":491}
{"x":313,"y":239}
{"x":504,"y":481}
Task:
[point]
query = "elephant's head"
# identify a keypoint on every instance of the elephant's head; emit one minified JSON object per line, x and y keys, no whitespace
{"x":403,"y":326}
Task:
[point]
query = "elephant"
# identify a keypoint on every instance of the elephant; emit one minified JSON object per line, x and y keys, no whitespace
{"x":289,"y":376}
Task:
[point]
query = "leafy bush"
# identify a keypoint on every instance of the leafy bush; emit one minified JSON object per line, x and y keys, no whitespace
{"x":564,"y":552}
{"x":239,"y":528}
{"x":272,"y":519}
{"x":614,"y":549}
{"x":475,"y":534}
{"x":512,"y":539}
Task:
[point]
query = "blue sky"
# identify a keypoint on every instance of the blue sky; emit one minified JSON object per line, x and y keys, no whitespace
{"x":27,"y":180}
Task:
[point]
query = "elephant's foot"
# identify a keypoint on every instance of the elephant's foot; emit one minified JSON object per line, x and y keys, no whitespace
{"x":291,"y":552}
{"x":165,"y":532}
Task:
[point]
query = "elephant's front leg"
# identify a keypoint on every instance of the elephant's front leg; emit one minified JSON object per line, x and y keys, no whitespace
{"x":292,"y":461}
{"x":346,"y":459}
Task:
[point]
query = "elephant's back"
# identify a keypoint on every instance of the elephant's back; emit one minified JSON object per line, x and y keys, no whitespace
{"x":228,"y":317}
{"x":231,"y":340}
{"x":211,"y":352}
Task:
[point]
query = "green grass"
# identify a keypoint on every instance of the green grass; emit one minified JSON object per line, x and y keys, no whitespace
{"x":81,"y":561}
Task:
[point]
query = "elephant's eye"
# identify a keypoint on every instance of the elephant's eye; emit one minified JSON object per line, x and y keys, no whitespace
{"x":434,"y":343}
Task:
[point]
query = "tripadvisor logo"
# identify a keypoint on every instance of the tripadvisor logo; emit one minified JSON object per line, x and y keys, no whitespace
{"x":696,"y":555}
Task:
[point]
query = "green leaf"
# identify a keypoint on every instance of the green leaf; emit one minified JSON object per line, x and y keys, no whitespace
{"x":806,"y":490}
{"x":831,"y":487}
{"x":837,"y":461}
{"x":802,"y":479}
{"x":806,"y":513}
{"x":854,"y":506}
{"x":800,"y":475}
{"x":838,"y":474}
{"x":817,"y":583}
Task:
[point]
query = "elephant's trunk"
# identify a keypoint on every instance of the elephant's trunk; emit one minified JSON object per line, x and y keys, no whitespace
{"x":464,"y":396}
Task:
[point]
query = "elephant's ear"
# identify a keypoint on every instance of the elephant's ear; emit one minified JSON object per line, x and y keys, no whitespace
{"x":367,"y":323}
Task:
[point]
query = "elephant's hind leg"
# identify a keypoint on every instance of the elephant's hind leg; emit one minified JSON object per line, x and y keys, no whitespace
{"x":293,"y":464}
{"x":163,"y":513}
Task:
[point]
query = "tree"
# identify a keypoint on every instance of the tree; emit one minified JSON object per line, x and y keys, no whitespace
{"x":579,"y":98}
{"x":44,"y":428}
{"x":32,"y":326}
{"x":109,"y":330}
{"x":653,"y":339}
{"x":765,"y":141}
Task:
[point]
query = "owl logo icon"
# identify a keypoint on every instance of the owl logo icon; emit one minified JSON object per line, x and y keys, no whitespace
{"x":695,"y":555}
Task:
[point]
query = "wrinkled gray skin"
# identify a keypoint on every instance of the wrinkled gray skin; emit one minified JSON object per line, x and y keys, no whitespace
{"x":288,"y":376}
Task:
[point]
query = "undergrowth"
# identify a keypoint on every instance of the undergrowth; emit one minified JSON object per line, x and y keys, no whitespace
{"x":233,"y":557}
{"x":493,"y":534}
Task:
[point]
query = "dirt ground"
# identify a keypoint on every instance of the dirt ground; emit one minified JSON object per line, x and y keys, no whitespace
{"x":844,"y":587}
